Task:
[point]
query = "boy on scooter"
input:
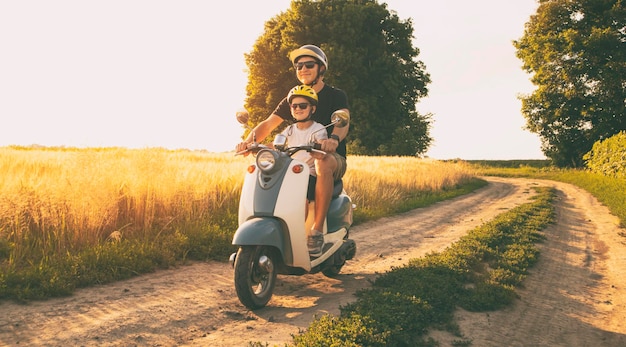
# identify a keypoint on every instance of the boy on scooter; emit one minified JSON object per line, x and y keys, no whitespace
{"x":304,"y":130}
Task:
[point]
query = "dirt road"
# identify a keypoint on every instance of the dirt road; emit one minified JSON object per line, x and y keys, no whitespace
{"x":574,"y":296}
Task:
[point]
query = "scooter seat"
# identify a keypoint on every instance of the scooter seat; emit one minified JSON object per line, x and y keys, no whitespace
{"x":338,"y":188}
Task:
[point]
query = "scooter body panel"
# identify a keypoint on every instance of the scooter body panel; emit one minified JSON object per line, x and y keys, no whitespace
{"x":293,"y":212}
{"x":266,"y":232}
{"x":276,"y":197}
{"x":339,"y":213}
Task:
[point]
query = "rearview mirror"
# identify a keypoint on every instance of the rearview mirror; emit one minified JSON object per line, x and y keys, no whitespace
{"x":242,"y":116}
{"x":340,"y":118}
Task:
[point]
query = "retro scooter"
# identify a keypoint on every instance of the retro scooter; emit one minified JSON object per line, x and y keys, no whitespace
{"x":273,"y":218}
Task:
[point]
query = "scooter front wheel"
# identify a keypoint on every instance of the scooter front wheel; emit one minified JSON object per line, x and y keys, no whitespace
{"x":255,"y":275}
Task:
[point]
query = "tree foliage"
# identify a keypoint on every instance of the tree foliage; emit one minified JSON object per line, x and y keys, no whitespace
{"x":576,"y":53}
{"x":371,"y":58}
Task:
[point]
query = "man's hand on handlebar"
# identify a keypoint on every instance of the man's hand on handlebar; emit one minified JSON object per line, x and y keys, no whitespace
{"x":242,"y":148}
{"x":329,"y":145}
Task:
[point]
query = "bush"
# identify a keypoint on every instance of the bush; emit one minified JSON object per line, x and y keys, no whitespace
{"x":350,"y":331}
{"x":608,"y":157}
{"x":486,"y":296}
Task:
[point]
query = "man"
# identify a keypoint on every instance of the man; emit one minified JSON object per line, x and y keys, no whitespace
{"x":311,"y":64}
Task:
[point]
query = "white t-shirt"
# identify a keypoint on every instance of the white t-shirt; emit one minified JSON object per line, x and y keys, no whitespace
{"x":300,"y":137}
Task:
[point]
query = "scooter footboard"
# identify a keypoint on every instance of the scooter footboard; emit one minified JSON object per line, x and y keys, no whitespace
{"x":264,"y":231}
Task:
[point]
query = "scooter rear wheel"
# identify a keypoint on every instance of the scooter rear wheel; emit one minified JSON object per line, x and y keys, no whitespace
{"x":332,"y":271}
{"x":255,"y":275}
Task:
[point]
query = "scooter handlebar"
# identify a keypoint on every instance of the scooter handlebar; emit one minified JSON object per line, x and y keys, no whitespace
{"x":317,"y":147}
{"x":252,"y":148}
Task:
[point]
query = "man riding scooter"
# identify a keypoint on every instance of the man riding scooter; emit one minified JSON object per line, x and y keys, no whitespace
{"x":311,"y":65}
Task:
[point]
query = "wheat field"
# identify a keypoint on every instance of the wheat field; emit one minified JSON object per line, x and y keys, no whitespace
{"x":59,"y":200}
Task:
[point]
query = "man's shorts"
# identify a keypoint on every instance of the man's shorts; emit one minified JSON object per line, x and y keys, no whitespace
{"x":341,"y":166}
{"x":337,"y":175}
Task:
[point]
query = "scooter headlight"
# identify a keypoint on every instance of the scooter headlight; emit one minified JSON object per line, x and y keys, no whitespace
{"x":266,"y":160}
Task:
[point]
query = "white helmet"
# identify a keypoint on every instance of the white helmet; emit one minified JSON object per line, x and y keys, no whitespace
{"x":310,"y":51}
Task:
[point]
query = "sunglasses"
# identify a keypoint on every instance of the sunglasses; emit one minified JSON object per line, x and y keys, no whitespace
{"x":308,"y":64}
{"x":302,"y":106}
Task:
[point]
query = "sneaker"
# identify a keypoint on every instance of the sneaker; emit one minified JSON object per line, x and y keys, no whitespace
{"x":315,"y":243}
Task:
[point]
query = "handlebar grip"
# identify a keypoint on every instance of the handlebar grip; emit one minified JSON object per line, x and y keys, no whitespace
{"x":317,"y":146}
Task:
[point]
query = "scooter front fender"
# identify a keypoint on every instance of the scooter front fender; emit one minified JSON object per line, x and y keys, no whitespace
{"x":264,"y":232}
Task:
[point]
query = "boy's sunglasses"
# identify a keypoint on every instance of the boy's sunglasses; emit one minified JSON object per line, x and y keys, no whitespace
{"x":308,"y":64}
{"x":303,"y":105}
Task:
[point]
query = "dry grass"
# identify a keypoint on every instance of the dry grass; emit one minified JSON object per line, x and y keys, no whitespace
{"x":54,"y":201}
{"x":62,"y":199}
{"x":380,"y":184}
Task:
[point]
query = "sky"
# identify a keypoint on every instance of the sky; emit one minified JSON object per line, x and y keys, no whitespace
{"x":171,"y":74}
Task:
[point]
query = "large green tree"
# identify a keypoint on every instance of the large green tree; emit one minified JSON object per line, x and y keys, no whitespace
{"x":371,"y":57}
{"x":575,"y":51}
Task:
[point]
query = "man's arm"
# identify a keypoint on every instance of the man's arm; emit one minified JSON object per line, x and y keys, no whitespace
{"x":261,"y":131}
{"x":331,"y":144}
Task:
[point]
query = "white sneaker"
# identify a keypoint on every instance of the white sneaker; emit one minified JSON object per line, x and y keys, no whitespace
{"x":315,"y":243}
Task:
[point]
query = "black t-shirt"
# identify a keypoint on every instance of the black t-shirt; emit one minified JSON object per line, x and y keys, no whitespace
{"x":330,"y":99}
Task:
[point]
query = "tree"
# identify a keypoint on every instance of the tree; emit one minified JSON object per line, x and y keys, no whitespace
{"x":576,"y":53}
{"x":370,"y":57}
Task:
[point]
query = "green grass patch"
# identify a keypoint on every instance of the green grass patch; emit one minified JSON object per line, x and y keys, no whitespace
{"x":60,"y":275}
{"x":478,"y":273}
{"x":608,"y":190}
